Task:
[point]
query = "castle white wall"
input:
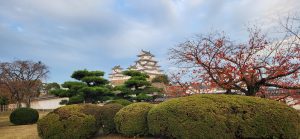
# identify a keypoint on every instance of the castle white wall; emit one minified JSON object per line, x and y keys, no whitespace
{"x":47,"y":104}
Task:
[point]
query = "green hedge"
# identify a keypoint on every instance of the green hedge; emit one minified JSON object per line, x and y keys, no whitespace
{"x":123,"y":102}
{"x":67,"y":122}
{"x":107,"y":114}
{"x":223,"y":116}
{"x":94,"y":110}
{"x":23,"y":116}
{"x":132,"y":119}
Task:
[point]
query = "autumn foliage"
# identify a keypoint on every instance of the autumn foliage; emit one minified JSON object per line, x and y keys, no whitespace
{"x":250,"y":67}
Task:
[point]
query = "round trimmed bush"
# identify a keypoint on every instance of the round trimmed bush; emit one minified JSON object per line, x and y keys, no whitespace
{"x":94,"y":110}
{"x":223,"y":116}
{"x":67,"y":122}
{"x":23,"y":116}
{"x":132,"y":119}
{"x":107,"y":114}
{"x":123,"y":102}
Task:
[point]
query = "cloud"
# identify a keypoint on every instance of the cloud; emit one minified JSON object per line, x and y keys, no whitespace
{"x":73,"y":34}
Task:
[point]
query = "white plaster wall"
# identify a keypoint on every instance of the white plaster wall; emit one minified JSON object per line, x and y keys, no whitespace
{"x":47,"y":104}
{"x":297,"y":107}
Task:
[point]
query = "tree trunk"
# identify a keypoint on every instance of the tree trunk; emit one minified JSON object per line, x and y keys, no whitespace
{"x":19,"y":105}
{"x":28,"y":102}
{"x":252,"y":90}
{"x":228,"y":91}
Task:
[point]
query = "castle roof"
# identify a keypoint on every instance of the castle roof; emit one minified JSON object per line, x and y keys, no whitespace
{"x":145,"y":53}
{"x":117,"y":67}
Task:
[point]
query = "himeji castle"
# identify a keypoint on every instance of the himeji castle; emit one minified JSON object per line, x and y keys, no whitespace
{"x":145,"y":63}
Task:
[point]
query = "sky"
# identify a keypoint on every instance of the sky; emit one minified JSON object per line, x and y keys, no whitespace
{"x":69,"y":35}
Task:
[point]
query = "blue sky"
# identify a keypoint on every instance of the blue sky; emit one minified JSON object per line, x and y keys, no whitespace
{"x":69,"y":35}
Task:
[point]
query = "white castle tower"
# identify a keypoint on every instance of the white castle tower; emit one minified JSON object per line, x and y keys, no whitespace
{"x":116,"y":77}
{"x":145,"y":64}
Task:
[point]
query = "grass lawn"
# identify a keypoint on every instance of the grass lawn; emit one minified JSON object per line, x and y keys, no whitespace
{"x":10,"y":131}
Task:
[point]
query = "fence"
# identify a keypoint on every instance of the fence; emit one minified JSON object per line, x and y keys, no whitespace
{"x":4,"y":108}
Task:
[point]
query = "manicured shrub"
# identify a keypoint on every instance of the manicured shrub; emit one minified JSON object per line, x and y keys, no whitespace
{"x":107,"y":114}
{"x":123,"y":102}
{"x":23,"y":116}
{"x":223,"y":116}
{"x":67,"y":122}
{"x":132,"y":119}
{"x":94,"y":110}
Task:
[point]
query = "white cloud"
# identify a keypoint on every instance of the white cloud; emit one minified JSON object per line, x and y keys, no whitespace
{"x":75,"y":33}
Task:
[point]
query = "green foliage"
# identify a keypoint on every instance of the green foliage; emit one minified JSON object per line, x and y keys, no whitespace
{"x":138,"y":79}
{"x":143,"y":96}
{"x":3,"y":100}
{"x":79,"y":74}
{"x":161,"y":79}
{"x":67,"y":122}
{"x":94,"y":110}
{"x":91,"y":88}
{"x":76,"y":99}
{"x":223,"y":116}
{"x":91,"y":94}
{"x":23,"y":116}
{"x":73,"y":85}
{"x":136,"y":82}
{"x":107,"y":114}
{"x":94,"y":80}
{"x":137,"y":87}
{"x":60,"y":92}
{"x":52,"y":86}
{"x":132,"y":119}
{"x":123,"y":102}
{"x":134,"y":73}
{"x":123,"y":92}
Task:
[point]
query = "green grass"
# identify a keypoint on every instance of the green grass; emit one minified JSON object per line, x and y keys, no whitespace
{"x":10,"y":131}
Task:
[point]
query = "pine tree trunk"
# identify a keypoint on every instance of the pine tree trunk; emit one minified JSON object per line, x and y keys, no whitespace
{"x":19,"y":105}
{"x":252,"y":90}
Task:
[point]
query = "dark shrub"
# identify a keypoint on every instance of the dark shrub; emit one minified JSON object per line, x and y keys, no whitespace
{"x":67,"y":122}
{"x":132,"y":119}
{"x":123,"y":102}
{"x":223,"y":116}
{"x":107,"y":114}
{"x":23,"y":116}
{"x":3,"y":100}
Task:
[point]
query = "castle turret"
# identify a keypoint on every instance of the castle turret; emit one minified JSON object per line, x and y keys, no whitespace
{"x":116,"y":77}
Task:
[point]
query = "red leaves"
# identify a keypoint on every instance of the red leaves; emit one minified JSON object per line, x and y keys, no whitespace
{"x":219,"y":43}
{"x":238,"y":66}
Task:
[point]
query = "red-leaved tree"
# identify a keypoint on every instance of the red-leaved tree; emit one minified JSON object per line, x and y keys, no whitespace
{"x":249,"y":67}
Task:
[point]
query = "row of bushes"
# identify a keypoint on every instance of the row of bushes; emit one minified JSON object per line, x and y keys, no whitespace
{"x":210,"y":116}
{"x":78,"y":121}
{"x":198,"y":116}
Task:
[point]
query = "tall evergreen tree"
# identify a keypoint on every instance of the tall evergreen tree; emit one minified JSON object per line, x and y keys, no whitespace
{"x":137,"y":87}
{"x":91,"y":87}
